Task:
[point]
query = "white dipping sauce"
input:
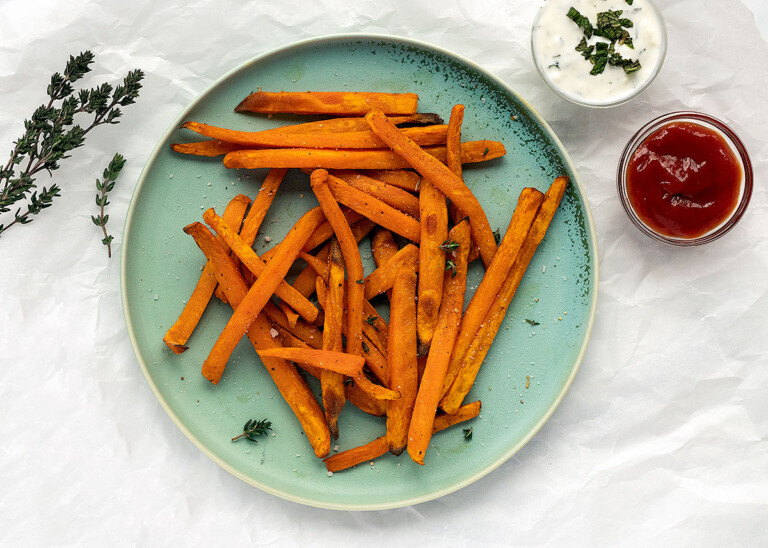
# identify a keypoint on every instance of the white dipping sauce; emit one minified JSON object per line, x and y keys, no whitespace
{"x":555,"y":37}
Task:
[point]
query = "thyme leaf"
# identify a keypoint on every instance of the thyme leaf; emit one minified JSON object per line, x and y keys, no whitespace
{"x":103,"y":188}
{"x":449,"y":245}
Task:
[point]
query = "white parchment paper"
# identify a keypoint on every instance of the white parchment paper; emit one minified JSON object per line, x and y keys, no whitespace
{"x":661,"y":440}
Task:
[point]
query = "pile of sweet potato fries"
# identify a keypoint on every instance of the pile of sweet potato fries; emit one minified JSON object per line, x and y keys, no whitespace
{"x":368,"y":175}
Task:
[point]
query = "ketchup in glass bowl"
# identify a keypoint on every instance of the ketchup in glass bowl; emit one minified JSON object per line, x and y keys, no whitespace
{"x":685,"y":178}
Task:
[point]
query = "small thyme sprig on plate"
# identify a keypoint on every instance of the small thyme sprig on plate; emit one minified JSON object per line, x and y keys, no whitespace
{"x":467,"y":433}
{"x":104,"y":187}
{"x":450,"y":265}
{"x":254,"y":429}
{"x":51,"y":134}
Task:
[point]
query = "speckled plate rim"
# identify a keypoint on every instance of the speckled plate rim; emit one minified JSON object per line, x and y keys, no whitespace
{"x":290,"y":496}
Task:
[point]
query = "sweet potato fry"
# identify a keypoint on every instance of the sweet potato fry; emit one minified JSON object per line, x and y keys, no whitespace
{"x":352,"y":393}
{"x":178,"y":334}
{"x":355,"y":290}
{"x":442,"y":177}
{"x":454,"y":162}
{"x":378,"y":447}
{"x":479,"y":347}
{"x":374,"y":359}
{"x":248,"y":257}
{"x":453,"y":144}
{"x":374,"y":209}
{"x":352,"y":457}
{"x":375,"y":390}
{"x":337,"y":103}
{"x":463,"y":413}
{"x":340,"y":362}
{"x":527,"y":205}
{"x":305,"y":331}
{"x":354,"y":123}
{"x":261,"y":203}
{"x":209,"y":149}
{"x":305,"y":281}
{"x":256,"y":214}
{"x":426,"y":135}
{"x":434,"y":232}
{"x":370,"y":330}
{"x":471,"y":152}
{"x":372,"y":320}
{"x":383,"y":278}
{"x":332,"y":383}
{"x":453,"y":152}
{"x":319,"y":236}
{"x":383,"y":246}
{"x":398,"y":198}
{"x":403,"y":374}
{"x":290,"y":384}
{"x":259,"y":294}
{"x":428,"y":396}
{"x":364,"y":401}
{"x":401,"y":178}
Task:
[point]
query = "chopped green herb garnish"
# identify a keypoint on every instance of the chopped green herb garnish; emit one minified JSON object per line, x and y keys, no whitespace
{"x":365,"y":348}
{"x":497,"y":236}
{"x":611,"y":26}
{"x":629,"y":2}
{"x":583,"y":22}
{"x":485,"y":152}
{"x":467,"y":433}
{"x":532,"y":322}
{"x":450,"y":265}
{"x":600,"y":58}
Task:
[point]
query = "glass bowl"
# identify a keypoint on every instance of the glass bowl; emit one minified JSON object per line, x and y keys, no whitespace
{"x":574,"y":82}
{"x":739,"y":151}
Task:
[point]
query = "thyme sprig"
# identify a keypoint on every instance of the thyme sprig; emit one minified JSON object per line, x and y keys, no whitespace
{"x":371,"y":320}
{"x":449,"y":245}
{"x":253,"y":429}
{"x":104,"y":187}
{"x":50,"y":134}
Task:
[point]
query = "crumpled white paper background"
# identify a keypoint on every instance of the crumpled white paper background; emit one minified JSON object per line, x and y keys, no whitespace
{"x":661,"y":440}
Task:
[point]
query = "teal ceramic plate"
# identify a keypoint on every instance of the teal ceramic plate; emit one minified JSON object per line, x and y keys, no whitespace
{"x":527,"y":371}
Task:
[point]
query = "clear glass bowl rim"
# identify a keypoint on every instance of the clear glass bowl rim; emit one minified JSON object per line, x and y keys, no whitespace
{"x":727,"y":133}
{"x":617,"y":102}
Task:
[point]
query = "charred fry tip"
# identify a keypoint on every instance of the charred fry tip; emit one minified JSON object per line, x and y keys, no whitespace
{"x":422,"y":349}
{"x":176,"y":348}
{"x":192,"y":227}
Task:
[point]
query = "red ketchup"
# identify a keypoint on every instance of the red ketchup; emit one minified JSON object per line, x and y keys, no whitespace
{"x":684,"y":180}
